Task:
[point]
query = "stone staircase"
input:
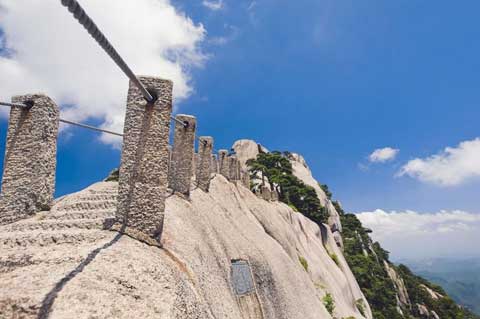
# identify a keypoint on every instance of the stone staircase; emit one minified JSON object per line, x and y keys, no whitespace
{"x":75,"y":221}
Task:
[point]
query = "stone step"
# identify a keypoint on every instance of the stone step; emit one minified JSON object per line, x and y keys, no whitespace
{"x":53,"y":224}
{"x":54,"y":237}
{"x":81,"y":214}
{"x":85,"y":205}
{"x":13,"y":262}
{"x":97,"y":197}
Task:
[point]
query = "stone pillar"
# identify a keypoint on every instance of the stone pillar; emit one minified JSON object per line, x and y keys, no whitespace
{"x":266,"y":193}
{"x":28,"y":183}
{"x":213,"y":165}
{"x":196,"y":162}
{"x":205,"y":146}
{"x":182,"y":154}
{"x":142,"y":183}
{"x":246,"y":179}
{"x":232,"y":167}
{"x":223,"y":163}
{"x":239,"y":170}
{"x":274,"y":195}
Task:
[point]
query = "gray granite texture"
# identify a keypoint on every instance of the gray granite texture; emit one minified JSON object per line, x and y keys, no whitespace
{"x":28,"y":183}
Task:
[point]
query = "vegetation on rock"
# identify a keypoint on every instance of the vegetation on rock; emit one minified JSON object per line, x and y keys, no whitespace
{"x":365,"y":258}
{"x":304,"y":263}
{"x":376,"y":284}
{"x":329,"y":303}
{"x":277,"y":169}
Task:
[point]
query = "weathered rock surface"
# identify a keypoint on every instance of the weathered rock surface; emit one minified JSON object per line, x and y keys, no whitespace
{"x":403,"y":300}
{"x":63,"y":264}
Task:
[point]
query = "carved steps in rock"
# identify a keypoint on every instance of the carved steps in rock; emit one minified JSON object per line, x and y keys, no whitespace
{"x":81,"y":214}
{"x":42,"y":238}
{"x":54,"y":225}
{"x":14,"y":262}
{"x":86,"y":205}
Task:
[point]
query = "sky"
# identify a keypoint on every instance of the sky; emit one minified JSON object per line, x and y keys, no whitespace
{"x":380,"y":97}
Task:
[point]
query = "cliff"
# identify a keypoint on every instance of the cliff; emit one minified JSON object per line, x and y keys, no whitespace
{"x":225,"y":253}
{"x":63,"y":264}
{"x":392,"y":291}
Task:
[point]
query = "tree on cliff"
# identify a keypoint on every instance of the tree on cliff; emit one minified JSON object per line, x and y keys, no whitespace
{"x":277,"y":169}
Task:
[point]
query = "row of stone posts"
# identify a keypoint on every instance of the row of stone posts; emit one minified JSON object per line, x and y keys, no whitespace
{"x":148,"y":165}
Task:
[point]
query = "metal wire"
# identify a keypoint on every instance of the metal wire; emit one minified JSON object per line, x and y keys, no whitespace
{"x":178,"y":121}
{"x":93,"y":30}
{"x":67,"y":121}
{"x":12,"y":104}
{"x":90,"y":127}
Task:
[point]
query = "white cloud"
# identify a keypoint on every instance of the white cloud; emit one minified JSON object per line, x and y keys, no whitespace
{"x":451,"y":167}
{"x":252,"y":5}
{"x":213,"y":5}
{"x":411,"y":234}
{"x":52,"y":53}
{"x":382,"y":155}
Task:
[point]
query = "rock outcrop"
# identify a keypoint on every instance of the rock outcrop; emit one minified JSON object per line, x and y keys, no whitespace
{"x":403,"y":301}
{"x":64,"y":264}
{"x":249,"y":149}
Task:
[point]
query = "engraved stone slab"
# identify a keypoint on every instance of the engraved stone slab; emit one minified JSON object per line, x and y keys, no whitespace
{"x":242,"y":277}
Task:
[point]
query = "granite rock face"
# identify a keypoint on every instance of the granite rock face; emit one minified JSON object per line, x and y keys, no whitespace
{"x":403,"y":300}
{"x":28,"y":181}
{"x":248,"y":149}
{"x":64,"y":264}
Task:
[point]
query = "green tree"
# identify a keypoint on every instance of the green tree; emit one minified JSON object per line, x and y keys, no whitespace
{"x":276,"y":167}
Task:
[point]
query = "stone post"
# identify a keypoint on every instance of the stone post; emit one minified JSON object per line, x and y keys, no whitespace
{"x":213,"y":165}
{"x":144,"y":165}
{"x":274,"y":195}
{"x":239,"y":170}
{"x":196,"y":162}
{"x":28,"y":183}
{"x":266,"y":193}
{"x":232,"y":167}
{"x":246,"y":179}
{"x":205,"y":146}
{"x":223,"y":163}
{"x":182,"y":154}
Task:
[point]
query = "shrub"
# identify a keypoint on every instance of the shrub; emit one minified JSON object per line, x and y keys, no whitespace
{"x":276,"y":167}
{"x":335,"y":258}
{"x":113,"y":176}
{"x":360,"y":306}
{"x":325,"y":189}
{"x":303,"y":262}
{"x":329,"y":303}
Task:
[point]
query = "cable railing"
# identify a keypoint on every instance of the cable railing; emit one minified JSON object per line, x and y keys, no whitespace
{"x":29,"y":104}
{"x":82,"y":17}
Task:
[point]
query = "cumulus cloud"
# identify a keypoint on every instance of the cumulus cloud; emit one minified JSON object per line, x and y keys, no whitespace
{"x":382,"y":155}
{"x":48,"y":51}
{"x":412,"y":234}
{"x":213,"y":5}
{"x":451,"y":167}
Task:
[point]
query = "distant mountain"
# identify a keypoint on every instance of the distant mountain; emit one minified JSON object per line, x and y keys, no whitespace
{"x":459,"y":277}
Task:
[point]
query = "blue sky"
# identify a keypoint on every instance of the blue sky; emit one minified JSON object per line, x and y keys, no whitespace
{"x":332,"y":80}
